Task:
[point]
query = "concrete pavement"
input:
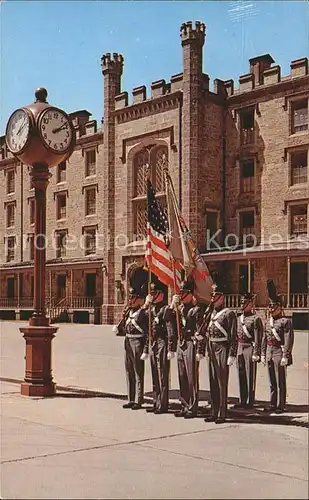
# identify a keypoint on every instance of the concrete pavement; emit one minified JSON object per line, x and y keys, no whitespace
{"x":82,"y":444}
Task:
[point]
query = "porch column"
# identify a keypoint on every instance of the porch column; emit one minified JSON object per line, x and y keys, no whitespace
{"x":71,"y":289}
{"x":18,"y":290}
{"x":249,"y":275}
{"x":50,"y":288}
{"x":289,"y":281}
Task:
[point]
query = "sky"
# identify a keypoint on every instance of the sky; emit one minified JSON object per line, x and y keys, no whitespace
{"x":59,"y":44}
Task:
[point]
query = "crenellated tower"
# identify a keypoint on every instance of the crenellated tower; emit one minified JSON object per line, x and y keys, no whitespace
{"x":112,"y":66}
{"x":192,"y":40}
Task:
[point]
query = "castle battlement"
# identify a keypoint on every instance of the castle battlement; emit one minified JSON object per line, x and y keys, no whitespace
{"x":262,"y":75}
{"x":189,"y":34}
{"x":112,"y":63}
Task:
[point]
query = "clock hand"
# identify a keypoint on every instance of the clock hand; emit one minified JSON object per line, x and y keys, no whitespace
{"x":64,"y":125}
{"x":21,"y":127}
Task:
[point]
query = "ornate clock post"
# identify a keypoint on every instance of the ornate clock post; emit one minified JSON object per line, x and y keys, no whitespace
{"x":42,"y":136}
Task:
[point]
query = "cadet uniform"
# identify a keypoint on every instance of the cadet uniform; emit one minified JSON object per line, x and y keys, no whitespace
{"x":164,"y":338}
{"x":249,"y":338}
{"x":222,"y":348}
{"x":136,"y":331}
{"x":190,"y":318}
{"x":277,"y":345}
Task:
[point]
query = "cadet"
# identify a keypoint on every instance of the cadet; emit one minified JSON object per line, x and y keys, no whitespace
{"x":249,"y":338}
{"x":136,"y":331}
{"x":277,"y":345}
{"x":190,"y":319}
{"x":222,"y":346}
{"x":163,"y":342}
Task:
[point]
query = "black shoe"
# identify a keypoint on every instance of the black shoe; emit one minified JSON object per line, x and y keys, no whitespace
{"x":136,"y":407}
{"x":151,"y":410}
{"x":180,"y":413}
{"x":220,"y":420}
{"x":189,"y":415}
{"x":269,"y":409}
{"x":160,"y":412}
{"x":279,"y":410}
{"x":128,"y":405}
{"x":239,"y":406}
{"x":210,"y":418}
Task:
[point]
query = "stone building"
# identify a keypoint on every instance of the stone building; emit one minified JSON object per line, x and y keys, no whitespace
{"x":238,"y":157}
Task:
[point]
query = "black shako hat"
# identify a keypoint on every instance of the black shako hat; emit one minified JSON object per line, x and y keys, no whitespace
{"x":274,"y":298}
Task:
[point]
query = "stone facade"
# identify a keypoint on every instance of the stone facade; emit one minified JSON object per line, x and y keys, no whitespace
{"x":230,"y":157}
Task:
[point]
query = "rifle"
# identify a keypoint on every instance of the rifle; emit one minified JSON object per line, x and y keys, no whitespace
{"x":119,"y":329}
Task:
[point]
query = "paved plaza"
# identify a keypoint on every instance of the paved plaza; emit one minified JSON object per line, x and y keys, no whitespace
{"x":82,"y":444}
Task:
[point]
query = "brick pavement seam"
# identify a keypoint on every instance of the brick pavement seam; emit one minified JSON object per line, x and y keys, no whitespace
{"x":207,"y":459}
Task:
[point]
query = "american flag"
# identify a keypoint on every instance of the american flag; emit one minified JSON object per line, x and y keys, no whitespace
{"x":158,"y":256}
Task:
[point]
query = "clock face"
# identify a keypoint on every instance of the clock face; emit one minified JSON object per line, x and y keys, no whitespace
{"x":55,"y":130}
{"x":18,"y":131}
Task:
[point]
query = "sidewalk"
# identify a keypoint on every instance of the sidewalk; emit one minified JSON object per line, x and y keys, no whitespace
{"x":82,"y":444}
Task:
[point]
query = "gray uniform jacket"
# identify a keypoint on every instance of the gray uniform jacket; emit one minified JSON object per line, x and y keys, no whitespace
{"x":190,"y":320}
{"x":136,"y":325}
{"x":223,"y":328}
{"x":252,"y":333}
{"x":279,"y":342}
{"x":163,"y":326}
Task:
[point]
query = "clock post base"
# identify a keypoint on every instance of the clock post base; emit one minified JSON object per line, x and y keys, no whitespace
{"x":38,"y":374}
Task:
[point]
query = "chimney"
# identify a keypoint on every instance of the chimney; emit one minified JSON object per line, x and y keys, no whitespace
{"x":258,"y":65}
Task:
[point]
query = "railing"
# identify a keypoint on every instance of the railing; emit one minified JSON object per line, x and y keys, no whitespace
{"x":82,"y":302}
{"x":14,"y":303}
{"x":232,"y":300}
{"x":297,"y":300}
{"x":247,"y":136}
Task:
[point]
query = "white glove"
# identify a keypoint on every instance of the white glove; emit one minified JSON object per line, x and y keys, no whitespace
{"x":115,"y":329}
{"x":198,"y":337}
{"x":230,"y":360}
{"x":199,"y":356}
{"x":170,"y":355}
{"x":175,"y":301}
{"x":283,"y":362}
{"x":144,"y":356}
{"x":148,"y":301}
{"x":263,"y":359}
{"x":255,"y":358}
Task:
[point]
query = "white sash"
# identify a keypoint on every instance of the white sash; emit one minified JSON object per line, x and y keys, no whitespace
{"x":213,"y":321}
{"x":245,"y":329}
{"x":273,"y":329}
{"x":131,"y":319}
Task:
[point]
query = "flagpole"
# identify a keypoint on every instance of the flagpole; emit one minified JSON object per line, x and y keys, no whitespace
{"x":173,"y":260}
{"x":149,"y":278}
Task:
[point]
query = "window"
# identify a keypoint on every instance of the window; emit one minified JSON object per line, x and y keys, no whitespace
{"x":243,"y":278}
{"x":299,"y":165}
{"x":90,"y":241}
{"x":10,"y":249}
{"x":31,"y":246}
{"x":156,"y":160}
{"x":61,"y":206}
{"x":10,"y":181}
{"x":299,"y":116}
{"x":90,"y":202}
{"x":211,"y":229}
{"x":299,"y":217}
{"x":90,"y":162}
{"x":10,"y":214}
{"x":61,"y":172}
{"x":247,"y":227}
{"x":61,"y":238}
{"x":247,"y":126}
{"x":247,"y":177}
{"x":32,"y":210}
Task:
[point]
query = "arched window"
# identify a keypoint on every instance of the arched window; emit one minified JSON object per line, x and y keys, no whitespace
{"x":156,"y":158}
